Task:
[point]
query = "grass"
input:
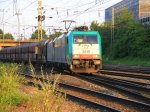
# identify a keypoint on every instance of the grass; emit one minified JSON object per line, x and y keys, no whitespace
{"x":9,"y":93}
{"x":45,"y":101}
{"x":30,"y":99}
{"x":11,"y":97}
{"x":130,"y":61}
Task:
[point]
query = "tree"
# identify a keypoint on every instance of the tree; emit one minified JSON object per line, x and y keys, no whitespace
{"x":131,"y":38}
{"x":104,"y":30}
{"x":94,"y":25}
{"x":125,"y":27}
{"x":52,"y":36}
{"x":35,"y":35}
{"x":1,"y":33}
{"x":8,"y":36}
{"x":125,"y":17}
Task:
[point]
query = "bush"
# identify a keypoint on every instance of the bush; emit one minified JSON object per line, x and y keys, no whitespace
{"x":46,"y":101}
{"x":9,"y":80}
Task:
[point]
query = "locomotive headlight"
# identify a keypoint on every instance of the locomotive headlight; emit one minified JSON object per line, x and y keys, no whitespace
{"x":75,"y":56}
{"x":95,"y":56}
{"x":76,"y":62}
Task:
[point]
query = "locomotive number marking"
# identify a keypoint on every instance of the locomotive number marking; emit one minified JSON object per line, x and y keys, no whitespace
{"x":85,"y":51}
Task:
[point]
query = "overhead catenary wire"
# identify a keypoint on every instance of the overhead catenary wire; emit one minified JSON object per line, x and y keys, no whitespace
{"x":63,"y":12}
{"x":14,"y":1}
{"x":29,"y":5}
{"x":57,"y":12}
{"x":60,"y":19}
{"x":93,"y":6}
{"x":90,"y":8}
{"x":4,"y":1}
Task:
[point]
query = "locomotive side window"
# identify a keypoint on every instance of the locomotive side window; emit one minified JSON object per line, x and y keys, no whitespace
{"x":85,"y":39}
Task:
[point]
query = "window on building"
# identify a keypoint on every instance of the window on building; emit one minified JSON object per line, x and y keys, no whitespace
{"x":148,"y":19}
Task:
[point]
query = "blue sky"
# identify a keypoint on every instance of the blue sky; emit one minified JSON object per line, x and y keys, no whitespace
{"x":81,"y":11}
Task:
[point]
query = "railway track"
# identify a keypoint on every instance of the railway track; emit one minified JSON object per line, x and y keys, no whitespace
{"x":143,"y":87}
{"x":84,"y":101}
{"x":109,"y":84}
{"x":142,"y":103}
{"x":141,"y":106}
{"x":126,"y":74}
{"x":138,"y":69}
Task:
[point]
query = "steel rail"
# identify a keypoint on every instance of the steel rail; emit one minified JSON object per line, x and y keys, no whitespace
{"x":98,"y":94}
{"x":84,"y":101}
{"x":136,"y":94}
{"x":124,"y":68}
{"x":108,"y":97}
{"x":138,"y":83}
{"x":125,"y":83}
{"x":123,"y":74}
{"x":91,"y":103}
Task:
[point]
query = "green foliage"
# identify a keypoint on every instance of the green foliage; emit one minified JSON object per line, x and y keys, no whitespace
{"x":8,"y":36}
{"x":9,"y":93}
{"x":104,"y":30}
{"x":44,"y":100}
{"x":131,"y":39}
{"x":35,"y":35}
{"x":1,"y":34}
{"x":129,"y":61}
{"x":94,"y":25}
{"x":124,"y":17}
{"x":52,"y":36}
{"x":1,"y":31}
{"x":37,"y":101}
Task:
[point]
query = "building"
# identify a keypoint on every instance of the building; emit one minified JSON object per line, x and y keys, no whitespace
{"x":139,"y":8}
{"x":145,"y":19}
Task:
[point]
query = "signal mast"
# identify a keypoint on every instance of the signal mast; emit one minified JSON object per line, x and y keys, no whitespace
{"x":40,"y":20}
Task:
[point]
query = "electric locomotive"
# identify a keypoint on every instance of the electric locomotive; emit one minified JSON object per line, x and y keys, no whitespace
{"x":78,"y":50}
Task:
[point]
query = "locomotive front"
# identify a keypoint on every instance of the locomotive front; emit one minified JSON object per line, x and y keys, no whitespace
{"x":86,"y":52}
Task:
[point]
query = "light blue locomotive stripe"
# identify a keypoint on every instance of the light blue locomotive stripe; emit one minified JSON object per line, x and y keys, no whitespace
{"x":85,"y":32}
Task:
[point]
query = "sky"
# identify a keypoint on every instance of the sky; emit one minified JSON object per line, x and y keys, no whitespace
{"x":83,"y":12}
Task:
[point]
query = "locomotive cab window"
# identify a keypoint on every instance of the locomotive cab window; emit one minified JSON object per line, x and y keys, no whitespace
{"x":91,"y":39}
{"x":85,"y":39}
{"x":78,"y":39}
